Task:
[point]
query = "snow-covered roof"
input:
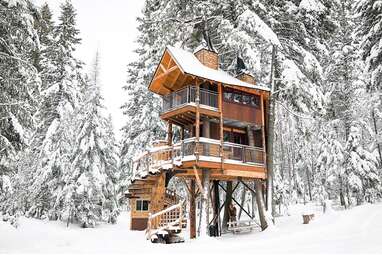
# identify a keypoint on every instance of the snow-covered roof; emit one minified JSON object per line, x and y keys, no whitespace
{"x":189,"y":64}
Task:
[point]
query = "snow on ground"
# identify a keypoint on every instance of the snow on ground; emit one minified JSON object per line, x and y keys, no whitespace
{"x":358,"y":230}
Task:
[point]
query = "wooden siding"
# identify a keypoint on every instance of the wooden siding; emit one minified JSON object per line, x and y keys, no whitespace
{"x":138,"y":223}
{"x":244,"y":113}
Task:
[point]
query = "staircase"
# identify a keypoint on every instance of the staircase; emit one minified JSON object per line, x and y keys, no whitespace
{"x":166,"y":225}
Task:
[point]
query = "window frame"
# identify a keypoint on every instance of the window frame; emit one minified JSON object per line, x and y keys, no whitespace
{"x":140,"y":205}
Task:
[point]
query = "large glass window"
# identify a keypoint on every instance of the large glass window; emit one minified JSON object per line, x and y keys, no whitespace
{"x":142,"y":205}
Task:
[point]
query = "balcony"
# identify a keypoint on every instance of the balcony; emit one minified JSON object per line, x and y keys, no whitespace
{"x":186,"y":98}
{"x":209,"y":150}
{"x":236,"y":157}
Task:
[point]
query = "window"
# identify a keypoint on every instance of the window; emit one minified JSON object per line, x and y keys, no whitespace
{"x":142,"y":205}
{"x":226,"y":137}
{"x":246,"y":99}
{"x":235,"y":137}
{"x":255,"y":101}
{"x":227,"y":96}
{"x":239,"y":97}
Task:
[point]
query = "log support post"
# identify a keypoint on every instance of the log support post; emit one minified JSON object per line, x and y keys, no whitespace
{"x":169,"y":133}
{"x":216,"y":206}
{"x":192,"y":211}
{"x":260,"y":204}
{"x":205,"y":205}
{"x":182,"y":133}
{"x":228,"y":201}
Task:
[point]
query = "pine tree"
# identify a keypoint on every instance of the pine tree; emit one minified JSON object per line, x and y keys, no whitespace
{"x":361,"y":169}
{"x":54,"y":139}
{"x":370,"y":30}
{"x":89,"y":190}
{"x":19,"y":91}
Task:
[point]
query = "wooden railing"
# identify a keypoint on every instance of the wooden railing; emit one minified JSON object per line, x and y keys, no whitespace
{"x":188,"y":95}
{"x":166,"y":219}
{"x":155,"y":158}
{"x":232,"y":151}
{"x":165,"y":156}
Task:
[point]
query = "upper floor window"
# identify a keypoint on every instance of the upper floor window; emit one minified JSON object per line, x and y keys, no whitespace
{"x":239,"y":97}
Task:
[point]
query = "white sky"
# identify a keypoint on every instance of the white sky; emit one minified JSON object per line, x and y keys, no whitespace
{"x":110,"y":26}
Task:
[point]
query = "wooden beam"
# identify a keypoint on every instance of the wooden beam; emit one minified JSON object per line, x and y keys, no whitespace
{"x":170,"y":63}
{"x":165,"y":73}
{"x":263,"y":130}
{"x":162,"y":68}
{"x":189,"y":108}
{"x":177,"y":121}
{"x":182,"y":133}
{"x":197,"y":127}
{"x":221,"y":122}
{"x":248,"y":174}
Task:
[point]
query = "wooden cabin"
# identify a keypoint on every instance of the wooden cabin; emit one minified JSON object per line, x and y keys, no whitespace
{"x":223,"y":133}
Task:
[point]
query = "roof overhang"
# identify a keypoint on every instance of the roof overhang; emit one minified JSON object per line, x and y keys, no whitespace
{"x":178,"y":67}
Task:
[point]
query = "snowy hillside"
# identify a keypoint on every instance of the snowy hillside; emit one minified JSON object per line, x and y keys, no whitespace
{"x":352,"y":231}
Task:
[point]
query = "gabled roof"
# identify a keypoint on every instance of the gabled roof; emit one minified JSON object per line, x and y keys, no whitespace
{"x":189,"y":64}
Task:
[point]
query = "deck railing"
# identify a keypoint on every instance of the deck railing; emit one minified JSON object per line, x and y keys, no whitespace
{"x":188,"y":95}
{"x":210,"y":149}
{"x":155,"y":158}
{"x":231,"y":151}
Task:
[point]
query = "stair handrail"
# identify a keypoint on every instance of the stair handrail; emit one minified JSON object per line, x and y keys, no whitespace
{"x":154,"y":219}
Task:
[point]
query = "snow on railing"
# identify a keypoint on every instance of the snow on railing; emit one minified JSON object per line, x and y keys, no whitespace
{"x":165,"y":157}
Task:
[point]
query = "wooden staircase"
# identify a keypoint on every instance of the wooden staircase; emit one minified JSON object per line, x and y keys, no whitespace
{"x":166,"y":225}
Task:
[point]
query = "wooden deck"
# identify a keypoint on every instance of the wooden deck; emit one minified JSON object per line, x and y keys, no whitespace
{"x":238,"y":160}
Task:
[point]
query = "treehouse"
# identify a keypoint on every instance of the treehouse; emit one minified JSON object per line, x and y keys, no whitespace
{"x":222,"y":122}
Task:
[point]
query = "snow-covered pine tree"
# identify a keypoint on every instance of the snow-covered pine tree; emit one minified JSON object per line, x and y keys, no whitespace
{"x":55,"y":137}
{"x":47,"y":112}
{"x":89,"y":192}
{"x":371,"y":33}
{"x":19,"y":85}
{"x":341,"y":81}
{"x":362,"y":175}
{"x":330,"y":169}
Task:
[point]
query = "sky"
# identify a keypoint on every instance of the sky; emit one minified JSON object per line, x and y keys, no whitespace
{"x":110,"y":27}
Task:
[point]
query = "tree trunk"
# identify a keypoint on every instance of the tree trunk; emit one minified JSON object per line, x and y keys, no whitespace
{"x":204,"y":208}
{"x":260,"y":204}
{"x":309,"y":184}
{"x":271,"y":132}
{"x":192,"y":210}
{"x":253,"y":195}
{"x":217,"y":222}
{"x":228,"y":201}
{"x":376,"y":133}
{"x":243,"y":193}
